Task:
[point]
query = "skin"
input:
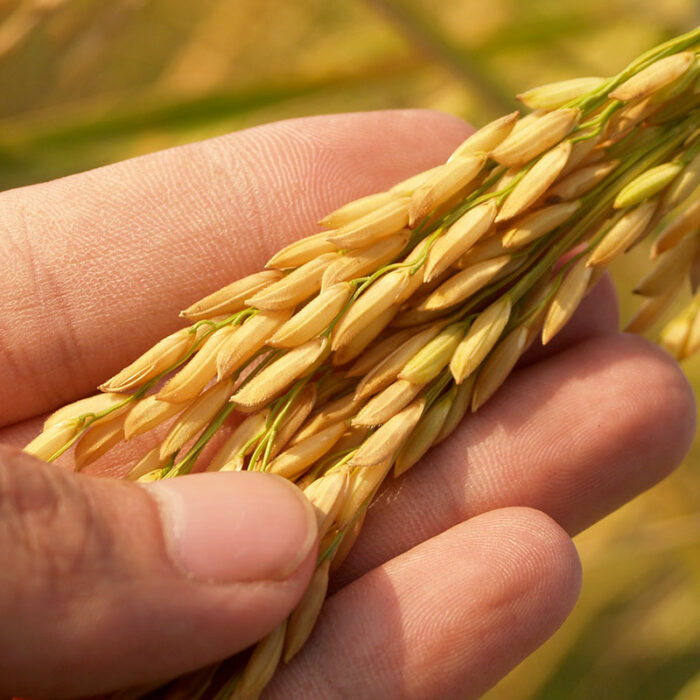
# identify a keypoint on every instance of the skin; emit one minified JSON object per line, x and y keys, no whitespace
{"x":464,"y":566}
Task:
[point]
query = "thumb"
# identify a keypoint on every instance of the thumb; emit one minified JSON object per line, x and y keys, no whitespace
{"x":106,"y":584}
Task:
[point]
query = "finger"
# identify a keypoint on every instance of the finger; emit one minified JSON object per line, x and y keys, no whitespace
{"x":97,"y":265}
{"x":106,"y":584}
{"x":575,"y":436}
{"x":447,"y":619}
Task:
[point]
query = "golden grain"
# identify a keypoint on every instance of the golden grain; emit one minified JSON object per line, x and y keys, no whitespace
{"x":623,"y":234}
{"x":196,"y":417}
{"x":363,"y":261}
{"x":535,"y":182}
{"x":313,"y":318}
{"x":446,"y":182}
{"x":566,"y":299}
{"x":303,"y":618}
{"x":381,"y":407}
{"x":555,"y":95}
{"x":387,"y":439}
{"x":280,"y":374}
{"x":539,"y":223}
{"x":484,"y":140}
{"x":653,"y":77}
{"x":367,"y":230}
{"x":231,"y":298}
{"x":538,"y":136}
{"x":358,"y":208}
{"x":248,"y":340}
{"x":459,"y":238}
{"x":481,"y":337}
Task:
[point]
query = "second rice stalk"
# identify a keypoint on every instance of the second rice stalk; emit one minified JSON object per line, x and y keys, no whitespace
{"x":360,"y":347}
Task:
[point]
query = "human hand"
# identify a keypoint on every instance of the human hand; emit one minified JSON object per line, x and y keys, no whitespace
{"x":464,"y":566}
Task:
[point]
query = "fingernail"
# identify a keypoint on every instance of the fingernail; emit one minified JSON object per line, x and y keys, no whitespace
{"x":235,"y":526}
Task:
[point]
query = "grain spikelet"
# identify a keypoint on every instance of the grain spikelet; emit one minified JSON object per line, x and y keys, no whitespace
{"x":380,"y":408}
{"x":555,"y":95}
{"x":362,"y":261}
{"x":98,"y":440}
{"x":387,"y":439}
{"x":196,"y":417}
{"x":90,"y":406}
{"x":149,"y":413}
{"x":669,"y":267}
{"x":326,"y":495}
{"x":487,"y":249}
{"x":159,"y":358}
{"x":414,"y":318}
{"x":280,"y":374}
{"x":301,"y":252}
{"x":261,"y":665}
{"x":458,"y":408}
{"x":488,"y":137}
{"x":683,"y":186}
{"x":293,"y":288}
{"x":692,"y":343}
{"x":480,"y":339}
{"x":377,"y":352}
{"x":446,"y":182}
{"x":566,"y":300}
{"x":679,"y":226}
{"x":537,"y":137}
{"x":651,"y":310}
{"x":464,"y":284}
{"x":314,"y":318}
{"x":674,"y":335}
{"x":368,"y":229}
{"x":498,"y":366}
{"x":459,"y":238}
{"x":303,"y":618}
{"x":647,"y":185}
{"x":249,"y":339}
{"x":199,"y":371}
{"x":297,"y":413}
{"x":583,"y":153}
{"x":354,"y":210}
{"x":52,"y":439}
{"x":539,"y":223}
{"x":431,"y":359}
{"x":231,"y":298}
{"x":377,"y":299}
{"x":364,"y":483}
{"x":296,"y":459}
{"x":535,"y":182}
{"x":387,"y":371}
{"x":148,"y":464}
{"x":333,"y":412}
{"x":653,"y":77}
{"x":364,"y":337}
{"x":350,"y":536}
{"x":424,"y":435}
{"x":581,"y":181}
{"x":408,"y":186}
{"x":235,"y":445}
{"x":625,"y":232}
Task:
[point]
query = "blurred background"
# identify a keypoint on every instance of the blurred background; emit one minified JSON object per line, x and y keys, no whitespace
{"x":88,"y":82}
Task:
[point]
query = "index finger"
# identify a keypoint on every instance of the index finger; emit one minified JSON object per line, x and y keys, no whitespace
{"x":97,"y":265}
